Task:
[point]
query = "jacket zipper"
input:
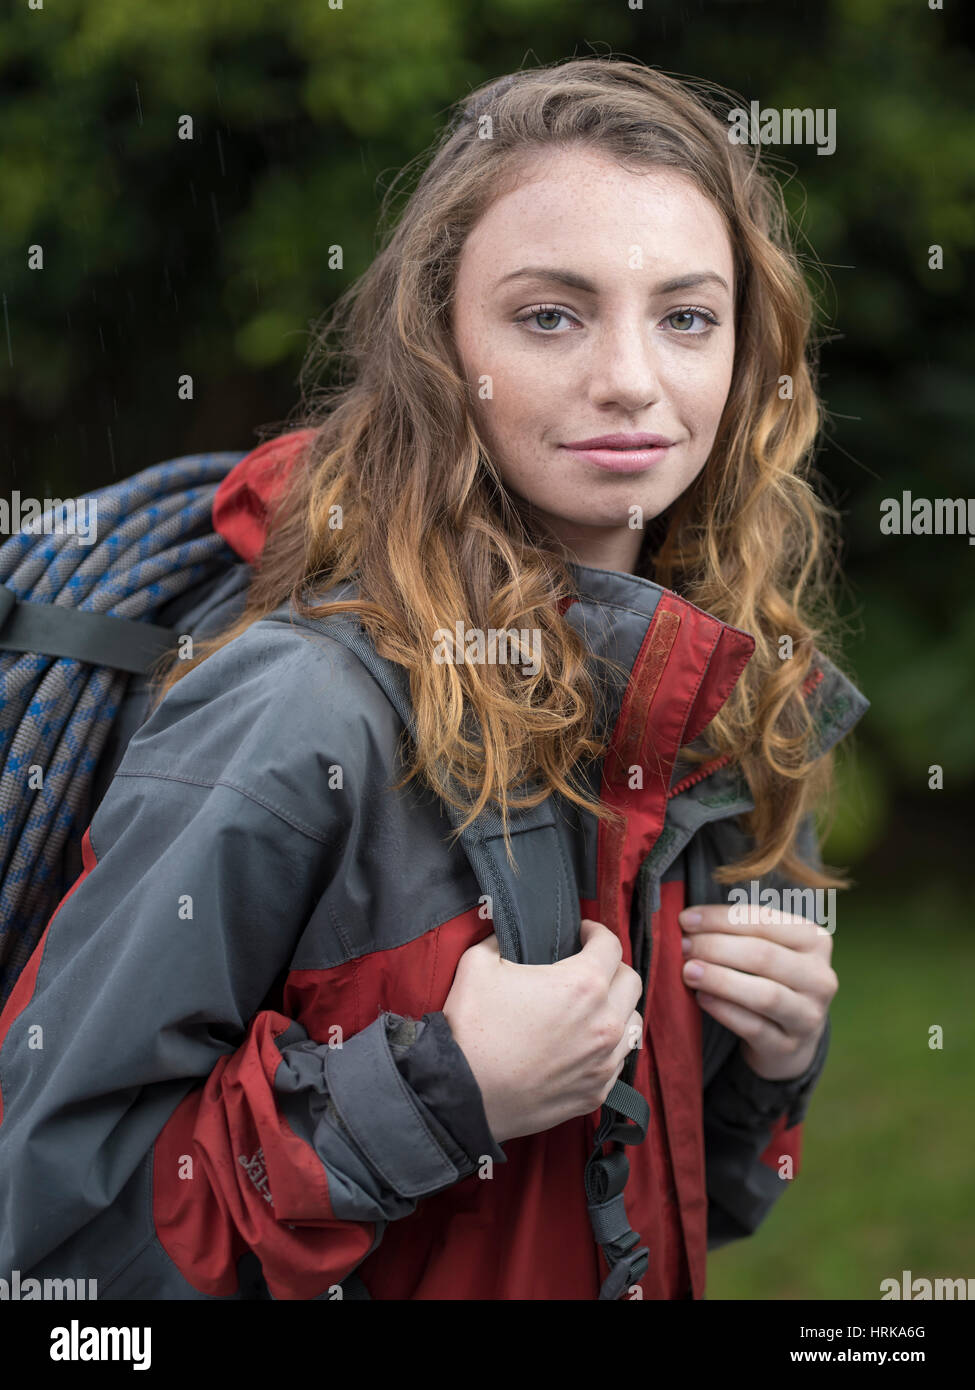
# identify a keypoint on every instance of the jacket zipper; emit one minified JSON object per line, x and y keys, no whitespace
{"x":691,"y":780}
{"x":699,"y":775}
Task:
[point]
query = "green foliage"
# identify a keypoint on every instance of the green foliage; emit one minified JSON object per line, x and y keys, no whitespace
{"x":211,"y":256}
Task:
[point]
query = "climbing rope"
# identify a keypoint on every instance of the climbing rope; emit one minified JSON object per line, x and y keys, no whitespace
{"x":154,"y":540}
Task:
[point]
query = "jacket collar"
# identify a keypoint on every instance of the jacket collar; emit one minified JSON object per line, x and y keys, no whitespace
{"x":614,"y":610}
{"x":633,"y":621}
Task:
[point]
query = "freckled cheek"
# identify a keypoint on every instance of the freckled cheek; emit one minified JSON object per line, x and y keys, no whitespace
{"x":519,"y":403}
{"x":699,"y":397}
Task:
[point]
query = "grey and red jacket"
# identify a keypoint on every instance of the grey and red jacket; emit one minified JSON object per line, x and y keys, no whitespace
{"x":225,"y":1071}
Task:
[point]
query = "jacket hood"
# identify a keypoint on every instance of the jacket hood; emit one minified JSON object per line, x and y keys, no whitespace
{"x":242,"y":502}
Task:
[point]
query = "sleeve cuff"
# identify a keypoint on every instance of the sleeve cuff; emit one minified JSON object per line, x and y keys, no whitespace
{"x":439,"y":1074}
{"x":401,"y":1087}
{"x":746,"y":1095}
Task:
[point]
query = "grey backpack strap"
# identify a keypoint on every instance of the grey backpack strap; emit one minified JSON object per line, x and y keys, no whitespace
{"x":535,"y":906}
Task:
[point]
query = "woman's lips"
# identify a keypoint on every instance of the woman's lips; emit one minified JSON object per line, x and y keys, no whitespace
{"x":621,"y":460}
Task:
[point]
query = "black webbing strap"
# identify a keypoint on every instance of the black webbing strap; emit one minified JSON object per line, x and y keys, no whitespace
{"x":99,"y":638}
{"x":606,"y":1176}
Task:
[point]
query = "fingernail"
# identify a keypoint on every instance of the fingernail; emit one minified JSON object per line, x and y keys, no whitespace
{"x":690,"y":916}
{"x":694,"y":970}
{"x":686,"y":945}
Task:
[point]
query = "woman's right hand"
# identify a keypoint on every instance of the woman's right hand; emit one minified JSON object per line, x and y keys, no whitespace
{"x":545,"y":1042}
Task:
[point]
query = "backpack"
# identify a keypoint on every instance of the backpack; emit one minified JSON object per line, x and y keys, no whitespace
{"x":79,"y":619}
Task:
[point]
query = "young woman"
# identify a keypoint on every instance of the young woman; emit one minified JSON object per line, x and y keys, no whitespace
{"x":375,"y":977}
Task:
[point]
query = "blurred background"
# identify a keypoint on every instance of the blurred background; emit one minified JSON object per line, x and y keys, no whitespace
{"x":208,"y":256}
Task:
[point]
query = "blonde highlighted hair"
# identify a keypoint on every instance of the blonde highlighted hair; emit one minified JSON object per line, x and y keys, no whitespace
{"x":431,"y":536}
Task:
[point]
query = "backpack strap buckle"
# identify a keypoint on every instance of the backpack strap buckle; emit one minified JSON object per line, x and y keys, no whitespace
{"x":605,"y":1179}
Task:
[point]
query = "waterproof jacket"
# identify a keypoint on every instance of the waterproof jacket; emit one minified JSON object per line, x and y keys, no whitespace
{"x":225,"y":1071}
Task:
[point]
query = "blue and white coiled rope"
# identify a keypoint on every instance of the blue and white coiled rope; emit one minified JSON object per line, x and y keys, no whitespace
{"x":154,"y":540}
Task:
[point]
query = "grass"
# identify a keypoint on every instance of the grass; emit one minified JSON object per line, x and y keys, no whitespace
{"x":887,"y":1178}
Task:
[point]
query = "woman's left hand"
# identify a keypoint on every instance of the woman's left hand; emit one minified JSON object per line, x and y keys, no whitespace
{"x":768,"y":979}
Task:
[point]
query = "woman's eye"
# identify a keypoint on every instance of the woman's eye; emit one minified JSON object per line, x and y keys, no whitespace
{"x":542,"y":312}
{"x":688,"y":316}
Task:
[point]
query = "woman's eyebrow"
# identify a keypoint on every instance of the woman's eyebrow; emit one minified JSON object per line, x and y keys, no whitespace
{"x":580,"y":282}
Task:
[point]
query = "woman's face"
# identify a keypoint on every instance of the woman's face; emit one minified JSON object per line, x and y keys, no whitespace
{"x":592,"y":302}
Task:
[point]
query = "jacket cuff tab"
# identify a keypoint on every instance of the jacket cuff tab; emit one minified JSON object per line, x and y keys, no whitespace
{"x":384,"y":1118}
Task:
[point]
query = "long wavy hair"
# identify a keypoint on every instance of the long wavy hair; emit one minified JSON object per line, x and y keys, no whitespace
{"x":429,"y":534}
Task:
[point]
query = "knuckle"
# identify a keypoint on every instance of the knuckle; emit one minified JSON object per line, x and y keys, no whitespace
{"x":588,"y":986}
{"x":605,"y":1033}
{"x":770,"y":996}
{"x":766,"y":957}
{"x":814,"y":1019}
